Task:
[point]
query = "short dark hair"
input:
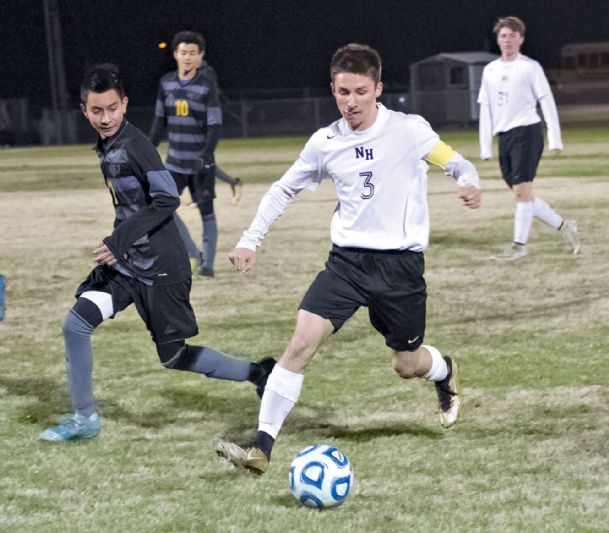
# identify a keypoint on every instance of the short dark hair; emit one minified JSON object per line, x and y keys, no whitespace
{"x":513,"y":23}
{"x":99,"y":79}
{"x":356,"y":59}
{"x":188,"y":37}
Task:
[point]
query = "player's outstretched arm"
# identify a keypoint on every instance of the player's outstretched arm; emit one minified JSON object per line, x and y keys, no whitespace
{"x":243,"y":259}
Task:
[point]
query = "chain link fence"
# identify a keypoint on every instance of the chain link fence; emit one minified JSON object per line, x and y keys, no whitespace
{"x":242,"y":119}
{"x":245,"y":118}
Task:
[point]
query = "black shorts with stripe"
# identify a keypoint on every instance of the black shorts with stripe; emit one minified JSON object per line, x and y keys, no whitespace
{"x":165,"y":309}
{"x":389,"y":283}
{"x":520,"y":150}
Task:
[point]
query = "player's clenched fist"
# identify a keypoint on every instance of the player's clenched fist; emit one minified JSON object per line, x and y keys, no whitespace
{"x":243,"y":259}
{"x":470,"y":196}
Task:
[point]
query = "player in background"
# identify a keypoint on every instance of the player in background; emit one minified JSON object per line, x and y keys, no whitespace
{"x":235,"y":184}
{"x":188,"y":107}
{"x":511,"y":88}
{"x":143,"y":262}
{"x":375,"y":158}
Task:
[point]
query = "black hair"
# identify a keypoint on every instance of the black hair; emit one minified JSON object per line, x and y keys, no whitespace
{"x":356,"y":59}
{"x":188,"y":37}
{"x":99,"y":79}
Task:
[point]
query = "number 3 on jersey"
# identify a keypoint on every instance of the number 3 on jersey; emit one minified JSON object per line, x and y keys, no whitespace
{"x":368,"y":185}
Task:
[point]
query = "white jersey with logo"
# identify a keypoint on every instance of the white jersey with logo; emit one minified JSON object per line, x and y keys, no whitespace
{"x":380,"y":181}
{"x":509,"y":93}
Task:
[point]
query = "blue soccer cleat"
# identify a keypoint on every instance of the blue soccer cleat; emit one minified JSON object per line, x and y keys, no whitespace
{"x":73,"y":427}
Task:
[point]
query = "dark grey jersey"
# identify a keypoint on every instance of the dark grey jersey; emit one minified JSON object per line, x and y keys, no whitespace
{"x":145,"y":239}
{"x":189,"y":110}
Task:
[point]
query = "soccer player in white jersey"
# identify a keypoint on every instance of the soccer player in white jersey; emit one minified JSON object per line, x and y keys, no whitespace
{"x":511,"y":88}
{"x":375,"y":157}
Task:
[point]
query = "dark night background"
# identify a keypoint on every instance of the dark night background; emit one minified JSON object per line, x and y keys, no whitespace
{"x":273,"y":44}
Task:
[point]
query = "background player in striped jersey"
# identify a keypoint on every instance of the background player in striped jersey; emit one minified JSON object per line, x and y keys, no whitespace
{"x":235,"y":184}
{"x":143,"y":262}
{"x":511,"y":88}
{"x":188,"y":106}
{"x":375,"y":158}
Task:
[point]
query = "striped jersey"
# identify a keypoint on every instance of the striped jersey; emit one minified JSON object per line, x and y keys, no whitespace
{"x":380,"y":178}
{"x":187,"y":108}
{"x":145,"y":240}
{"x":508,"y":97}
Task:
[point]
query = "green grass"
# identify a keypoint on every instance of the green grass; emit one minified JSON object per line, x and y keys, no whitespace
{"x":532,"y":450}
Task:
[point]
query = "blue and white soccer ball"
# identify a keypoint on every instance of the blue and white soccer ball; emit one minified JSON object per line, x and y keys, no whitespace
{"x":321,"y":476}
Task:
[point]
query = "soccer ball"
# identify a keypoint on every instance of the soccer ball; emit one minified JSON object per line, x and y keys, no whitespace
{"x":321,"y":476}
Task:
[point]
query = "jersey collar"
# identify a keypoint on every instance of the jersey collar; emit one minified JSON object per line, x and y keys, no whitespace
{"x":105,"y":144}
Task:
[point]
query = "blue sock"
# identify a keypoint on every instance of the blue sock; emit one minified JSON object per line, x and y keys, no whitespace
{"x":79,"y":354}
{"x":191,"y":247}
{"x":218,"y":365}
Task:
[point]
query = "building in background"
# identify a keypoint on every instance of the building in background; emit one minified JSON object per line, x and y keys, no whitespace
{"x":444,"y":87}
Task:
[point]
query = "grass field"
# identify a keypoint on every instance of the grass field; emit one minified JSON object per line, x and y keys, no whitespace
{"x":530,"y":454}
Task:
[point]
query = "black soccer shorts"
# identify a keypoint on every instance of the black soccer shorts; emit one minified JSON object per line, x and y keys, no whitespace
{"x":183,"y":181}
{"x":165,"y":309}
{"x":520,"y":150}
{"x":389,"y":283}
{"x":205,"y":184}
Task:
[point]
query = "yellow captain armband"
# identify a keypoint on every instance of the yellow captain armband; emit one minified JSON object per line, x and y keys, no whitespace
{"x":441,"y":154}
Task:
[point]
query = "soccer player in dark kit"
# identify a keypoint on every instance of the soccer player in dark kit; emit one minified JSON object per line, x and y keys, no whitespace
{"x":143,"y":262}
{"x":188,"y":107}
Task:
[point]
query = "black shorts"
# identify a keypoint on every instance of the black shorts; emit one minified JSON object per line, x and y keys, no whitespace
{"x":202,"y":186}
{"x":389,"y":283}
{"x":165,"y":309}
{"x":520,"y":150}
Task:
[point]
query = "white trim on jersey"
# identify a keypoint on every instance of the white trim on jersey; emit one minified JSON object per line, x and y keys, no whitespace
{"x":380,"y":179}
{"x":508,"y":97}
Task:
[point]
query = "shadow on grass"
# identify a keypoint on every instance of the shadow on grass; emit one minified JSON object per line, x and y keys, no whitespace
{"x":48,"y":396}
{"x":177,"y":401}
{"x":50,"y":399}
{"x":316,"y":427}
{"x":288,"y":501}
{"x":455,"y":239}
{"x":238,"y":411}
{"x":549,"y":309}
{"x":366,"y":434}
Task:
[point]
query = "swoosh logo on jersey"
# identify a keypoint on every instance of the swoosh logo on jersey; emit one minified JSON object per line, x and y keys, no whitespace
{"x":331,"y":136}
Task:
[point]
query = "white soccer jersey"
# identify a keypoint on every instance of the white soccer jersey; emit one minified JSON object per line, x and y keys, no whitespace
{"x":508,"y":98}
{"x":380,"y":181}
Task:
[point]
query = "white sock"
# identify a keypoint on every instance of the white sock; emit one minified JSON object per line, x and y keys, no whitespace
{"x":546,"y":214}
{"x":438,"y":370}
{"x":280,"y":394}
{"x":523,"y":219}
